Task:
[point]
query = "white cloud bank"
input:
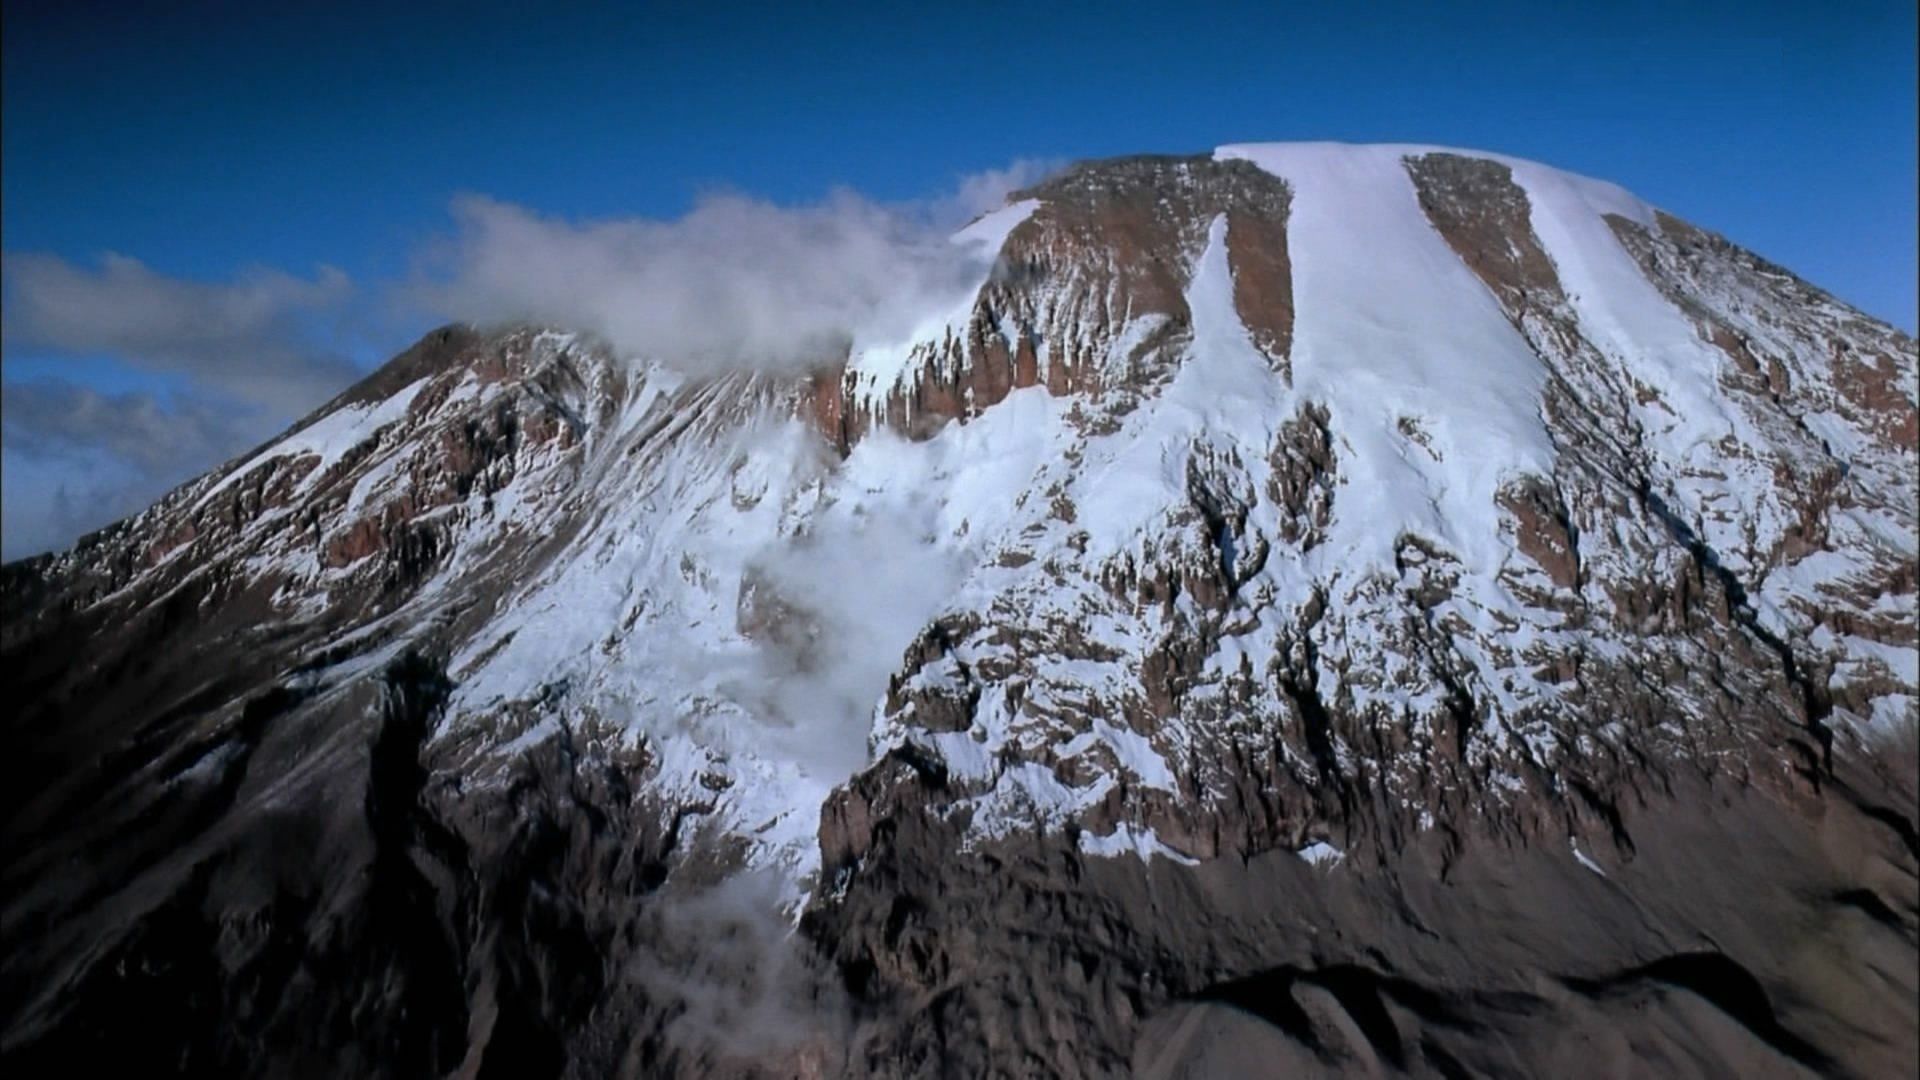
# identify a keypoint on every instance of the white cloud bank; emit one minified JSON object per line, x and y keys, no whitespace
{"x":735,"y":283}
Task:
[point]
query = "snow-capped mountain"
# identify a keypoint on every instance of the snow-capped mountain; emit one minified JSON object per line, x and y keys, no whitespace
{"x":1376,"y":605}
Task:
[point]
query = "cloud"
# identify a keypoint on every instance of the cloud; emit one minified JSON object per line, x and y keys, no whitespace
{"x":736,"y":283}
{"x":740,"y":986}
{"x":58,"y":418}
{"x":822,"y":677}
{"x":44,"y":507}
{"x":77,"y":459}
{"x":978,"y":193}
{"x":259,"y":339}
{"x":242,"y":360}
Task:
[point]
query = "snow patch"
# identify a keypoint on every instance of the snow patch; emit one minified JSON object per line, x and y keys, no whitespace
{"x":329,"y":438}
{"x":1581,"y":857}
{"x":1322,"y":854}
{"x":1125,"y":839}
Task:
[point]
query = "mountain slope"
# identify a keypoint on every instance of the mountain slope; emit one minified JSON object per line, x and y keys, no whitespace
{"x":1401,"y":608}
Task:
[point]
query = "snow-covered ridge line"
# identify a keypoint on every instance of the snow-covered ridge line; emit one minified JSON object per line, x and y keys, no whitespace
{"x":1598,"y":197}
{"x":328,"y":438}
{"x":1079,"y":596}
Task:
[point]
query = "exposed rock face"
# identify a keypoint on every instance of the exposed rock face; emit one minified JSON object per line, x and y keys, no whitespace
{"x":1087,"y":296}
{"x":1372,"y":608}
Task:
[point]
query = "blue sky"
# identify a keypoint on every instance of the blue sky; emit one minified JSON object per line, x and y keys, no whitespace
{"x":281,"y":169}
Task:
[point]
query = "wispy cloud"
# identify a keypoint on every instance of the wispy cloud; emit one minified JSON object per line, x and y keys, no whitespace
{"x":244,"y":357}
{"x":740,"y":985}
{"x":736,"y":283}
{"x":978,"y":193}
{"x":49,"y":418}
{"x":78,"y":458}
{"x":260,"y":338}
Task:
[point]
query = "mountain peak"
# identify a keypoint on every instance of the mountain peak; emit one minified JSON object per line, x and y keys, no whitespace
{"x":1281,"y":522}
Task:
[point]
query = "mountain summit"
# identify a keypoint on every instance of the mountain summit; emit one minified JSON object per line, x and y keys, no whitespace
{"x":1373,"y":607}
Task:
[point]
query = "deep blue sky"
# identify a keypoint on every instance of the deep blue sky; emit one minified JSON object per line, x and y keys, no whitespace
{"x":203,"y":137}
{"x":213,"y":141}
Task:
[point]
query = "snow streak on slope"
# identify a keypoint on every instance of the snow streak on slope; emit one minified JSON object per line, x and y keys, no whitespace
{"x":327,"y":438}
{"x":1392,"y":327}
{"x":1623,"y":315}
